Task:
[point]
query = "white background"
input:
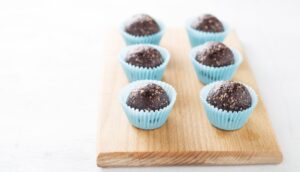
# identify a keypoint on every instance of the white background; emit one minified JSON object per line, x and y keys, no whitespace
{"x":49,"y":75}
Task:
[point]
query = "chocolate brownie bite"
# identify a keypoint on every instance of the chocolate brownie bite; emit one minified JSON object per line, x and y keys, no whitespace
{"x":148,"y":97}
{"x":230,"y":96}
{"x":144,"y":56}
{"x":141,"y":25}
{"x":215,"y":54}
{"x":208,"y":23}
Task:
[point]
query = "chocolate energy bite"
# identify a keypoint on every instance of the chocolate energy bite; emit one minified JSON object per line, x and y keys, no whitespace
{"x":144,"y":56}
{"x":215,"y":54}
{"x":141,"y":25}
{"x":148,"y":97}
{"x":208,"y":23}
{"x":230,"y":96}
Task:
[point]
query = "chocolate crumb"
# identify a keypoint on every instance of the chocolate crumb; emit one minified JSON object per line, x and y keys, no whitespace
{"x":141,"y":25}
{"x":208,"y":23}
{"x":230,"y":96}
{"x":215,"y":54}
{"x":148,"y":97}
{"x":144,"y":56}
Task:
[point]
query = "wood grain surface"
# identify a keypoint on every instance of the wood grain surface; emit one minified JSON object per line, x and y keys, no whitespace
{"x":187,"y":138}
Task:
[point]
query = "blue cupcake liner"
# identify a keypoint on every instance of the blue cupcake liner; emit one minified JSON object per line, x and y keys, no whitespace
{"x":149,"y":39}
{"x":197,"y":37}
{"x":208,"y":74}
{"x":134,"y":73}
{"x":227,"y":120}
{"x":145,"y":119}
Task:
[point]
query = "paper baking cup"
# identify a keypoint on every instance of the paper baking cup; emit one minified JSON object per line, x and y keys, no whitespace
{"x":208,"y":74}
{"x":197,"y":37}
{"x":134,"y":73}
{"x":226,"y":120}
{"x":145,"y":119}
{"x":149,"y":39}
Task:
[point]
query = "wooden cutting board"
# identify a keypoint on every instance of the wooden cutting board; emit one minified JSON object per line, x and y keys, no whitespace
{"x":187,"y":138}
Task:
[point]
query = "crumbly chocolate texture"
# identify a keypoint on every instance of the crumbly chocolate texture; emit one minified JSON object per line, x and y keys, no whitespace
{"x":208,"y":23}
{"x":144,"y":56}
{"x":141,"y":25}
{"x":230,"y":96}
{"x":215,"y":54}
{"x":148,"y":97}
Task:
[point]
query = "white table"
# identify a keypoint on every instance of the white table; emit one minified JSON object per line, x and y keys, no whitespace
{"x":49,"y":75}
